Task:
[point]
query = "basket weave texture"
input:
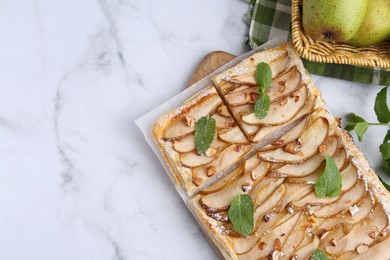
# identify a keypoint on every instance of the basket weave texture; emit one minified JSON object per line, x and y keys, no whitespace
{"x":332,"y":52}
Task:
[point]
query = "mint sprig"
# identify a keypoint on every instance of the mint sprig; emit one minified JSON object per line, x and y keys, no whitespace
{"x":360,"y":126}
{"x":330,"y":182}
{"x":241,"y":214}
{"x":319,"y":255}
{"x":204,"y":133}
{"x":263,"y":78}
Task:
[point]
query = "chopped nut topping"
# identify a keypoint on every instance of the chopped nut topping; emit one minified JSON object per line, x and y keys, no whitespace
{"x":353,"y":210}
{"x":262,"y":245}
{"x":278,"y":142}
{"x":290,"y":148}
{"x":197,"y":180}
{"x":211,"y":171}
{"x":275,"y":255}
{"x":283,"y":101}
{"x":290,"y":210}
{"x":323,"y":148}
{"x":277,"y":245}
{"x":312,"y":219}
{"x":299,"y":142}
{"x":294,"y":257}
{"x":333,"y":242}
{"x":251,"y":59}
{"x":238,"y":147}
{"x":323,"y":233}
{"x":267,"y":217}
{"x":373,"y":234}
{"x":296,"y":99}
{"x":362,"y":248}
{"x":246,"y":187}
{"x":253,"y":96}
{"x":283,"y":234}
{"x":282,"y":82}
{"x":211,"y":152}
{"x":189,"y":121}
{"x":383,"y":234}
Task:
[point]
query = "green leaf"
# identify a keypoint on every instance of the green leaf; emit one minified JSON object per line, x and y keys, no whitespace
{"x":330,"y":182}
{"x":387,"y":137}
{"x":360,"y":129}
{"x":385,"y":151}
{"x":381,"y":109}
{"x":387,"y":186}
{"x":262,"y":105}
{"x":263,"y":75}
{"x":353,"y":120}
{"x":204,"y":133}
{"x":241,"y":214}
{"x":319,"y":255}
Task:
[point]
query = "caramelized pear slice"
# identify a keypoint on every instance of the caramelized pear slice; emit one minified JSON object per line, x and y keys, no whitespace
{"x":264,"y":202}
{"x":294,"y":192}
{"x":178,"y":128}
{"x":364,"y":209}
{"x":344,"y":201}
{"x":311,"y":139}
{"x":280,"y":232}
{"x":193,"y":159}
{"x":222,"y":110}
{"x":377,"y":251}
{"x":288,"y":137}
{"x":243,"y":97}
{"x":223,"y":122}
{"x":221,"y":183}
{"x":360,"y":232}
{"x":306,"y":251}
{"x":184,"y":145}
{"x":309,"y":166}
{"x":230,"y":155}
{"x":234,"y":136}
{"x":295,"y":238}
{"x":251,"y":163}
{"x":285,"y":84}
{"x":280,"y":111}
{"x":223,"y":197}
{"x":277,"y":66}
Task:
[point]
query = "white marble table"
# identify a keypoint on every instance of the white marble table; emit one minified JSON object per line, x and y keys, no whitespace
{"x":77,"y":180}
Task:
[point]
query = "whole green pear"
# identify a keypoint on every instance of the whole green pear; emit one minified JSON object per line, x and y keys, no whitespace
{"x":375,"y":27}
{"x":333,"y":20}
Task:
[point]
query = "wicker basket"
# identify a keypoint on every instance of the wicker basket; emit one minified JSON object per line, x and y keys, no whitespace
{"x":332,"y":52}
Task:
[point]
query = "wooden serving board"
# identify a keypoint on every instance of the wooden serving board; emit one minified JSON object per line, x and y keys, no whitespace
{"x":210,"y":63}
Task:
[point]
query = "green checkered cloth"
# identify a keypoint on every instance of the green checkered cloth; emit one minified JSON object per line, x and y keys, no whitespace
{"x":270,"y":19}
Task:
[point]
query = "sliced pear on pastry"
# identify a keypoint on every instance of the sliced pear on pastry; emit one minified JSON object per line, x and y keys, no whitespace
{"x":223,"y":160}
{"x":185,"y":144}
{"x":309,"y":166}
{"x":221,"y":183}
{"x":377,"y":251}
{"x":343,"y":202}
{"x":243,"y":97}
{"x":223,"y":198}
{"x":360,"y":232}
{"x":285,"y":84}
{"x":288,"y":137}
{"x":306,"y":251}
{"x":178,"y":127}
{"x":294,"y":192}
{"x":193,"y":159}
{"x":295,"y":237}
{"x":223,"y":122}
{"x":222,"y":110}
{"x":277,"y":66}
{"x":234,"y":136}
{"x":280,"y":232}
{"x":311,"y":139}
{"x":280,"y":111}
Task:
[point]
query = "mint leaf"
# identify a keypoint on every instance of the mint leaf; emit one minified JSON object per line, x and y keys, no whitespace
{"x":330,"y":182}
{"x":387,"y":137}
{"x":262,"y":105}
{"x":353,"y":120}
{"x":241,"y":214}
{"x":263,"y":75}
{"x":381,"y":109}
{"x":204,"y":133}
{"x":385,"y":151}
{"x":319,"y":255}
{"x":387,"y":186}
{"x":360,"y":129}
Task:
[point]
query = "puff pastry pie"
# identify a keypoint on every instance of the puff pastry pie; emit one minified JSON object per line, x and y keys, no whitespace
{"x":276,"y":161}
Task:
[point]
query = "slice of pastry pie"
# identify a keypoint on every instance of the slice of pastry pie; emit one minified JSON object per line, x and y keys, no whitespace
{"x":290,"y":221}
{"x":291,"y":93}
{"x":174,"y":133}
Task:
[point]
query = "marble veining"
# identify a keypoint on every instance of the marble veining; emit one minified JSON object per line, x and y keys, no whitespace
{"x":77,"y":179}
